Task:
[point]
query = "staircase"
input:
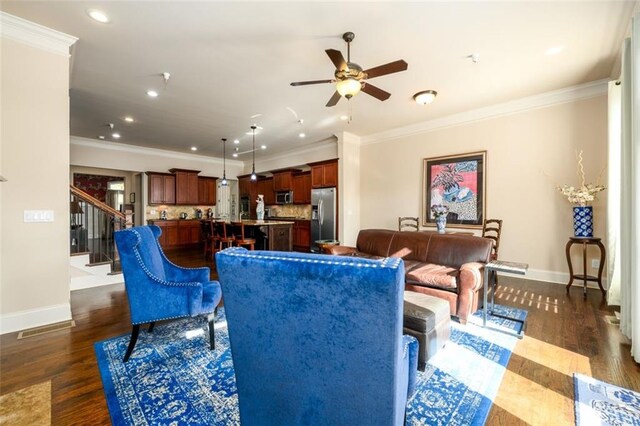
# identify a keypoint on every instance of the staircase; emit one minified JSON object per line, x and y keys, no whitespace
{"x":92,"y":224}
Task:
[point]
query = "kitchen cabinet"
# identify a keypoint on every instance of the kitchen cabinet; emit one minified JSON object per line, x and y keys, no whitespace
{"x":178,"y":232}
{"x":269,"y":193}
{"x":207,"y":191}
{"x":280,"y":237}
{"x":244,"y":185}
{"x":188,"y":232}
{"x":162,"y":188}
{"x":325,"y":174}
{"x":283,"y":181}
{"x":169,"y":236}
{"x":302,"y":235}
{"x":248,"y":188}
{"x":302,"y":188}
{"x":186,"y":186}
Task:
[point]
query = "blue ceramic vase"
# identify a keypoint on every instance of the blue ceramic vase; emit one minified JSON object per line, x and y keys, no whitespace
{"x":583,"y":221}
{"x":441,"y":223}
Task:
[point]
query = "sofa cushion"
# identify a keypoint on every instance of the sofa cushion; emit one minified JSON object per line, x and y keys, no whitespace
{"x":435,"y":275}
{"x":375,"y":242}
{"x":456,"y":250}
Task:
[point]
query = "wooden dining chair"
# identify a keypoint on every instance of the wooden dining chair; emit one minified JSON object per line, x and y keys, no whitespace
{"x":408,"y":222}
{"x":240,"y":239}
{"x":223,"y":238}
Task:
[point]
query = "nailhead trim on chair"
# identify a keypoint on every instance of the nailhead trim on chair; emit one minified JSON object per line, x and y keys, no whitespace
{"x":388,"y":262}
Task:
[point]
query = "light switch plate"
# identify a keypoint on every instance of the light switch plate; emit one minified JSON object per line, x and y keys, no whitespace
{"x":595,"y":263}
{"x":38,"y":216}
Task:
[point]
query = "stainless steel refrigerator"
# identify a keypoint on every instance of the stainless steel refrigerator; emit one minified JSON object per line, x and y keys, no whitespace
{"x":323,"y":216}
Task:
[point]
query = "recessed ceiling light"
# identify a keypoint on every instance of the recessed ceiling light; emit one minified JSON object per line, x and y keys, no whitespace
{"x":263,"y":147}
{"x":98,"y":15}
{"x":236,"y":141}
{"x":235,"y":155}
{"x":115,"y":135}
{"x":194,"y":148}
{"x":302,"y":135}
{"x":344,"y":117}
{"x":100,"y":137}
{"x":152,"y":93}
{"x":425,"y":97}
{"x":554,"y":50}
{"x":128,"y":119}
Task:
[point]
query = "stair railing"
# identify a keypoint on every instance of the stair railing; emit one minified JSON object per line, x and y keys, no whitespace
{"x":92,"y":224}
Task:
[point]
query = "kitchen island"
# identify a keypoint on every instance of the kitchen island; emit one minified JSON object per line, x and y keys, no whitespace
{"x":273,"y":235}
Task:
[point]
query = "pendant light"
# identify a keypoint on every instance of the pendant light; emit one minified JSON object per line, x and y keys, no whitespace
{"x":254,"y":177}
{"x":224,"y":162}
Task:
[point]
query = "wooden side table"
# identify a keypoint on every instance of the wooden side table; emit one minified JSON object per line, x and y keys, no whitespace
{"x":584,"y":277}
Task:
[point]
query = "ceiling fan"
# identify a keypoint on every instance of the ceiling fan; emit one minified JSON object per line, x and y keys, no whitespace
{"x":350,"y":77}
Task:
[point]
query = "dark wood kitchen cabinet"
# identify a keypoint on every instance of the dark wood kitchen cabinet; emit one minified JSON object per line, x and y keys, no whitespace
{"x":283,"y":181}
{"x":269,"y":193}
{"x":207,"y":191}
{"x":324,"y":174}
{"x":162,"y":188}
{"x":169,"y":236}
{"x":302,"y":188}
{"x":302,"y":235}
{"x":186,"y":186}
{"x":188,"y":232}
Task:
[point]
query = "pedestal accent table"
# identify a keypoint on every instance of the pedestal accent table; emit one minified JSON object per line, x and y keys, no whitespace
{"x":584,"y":277}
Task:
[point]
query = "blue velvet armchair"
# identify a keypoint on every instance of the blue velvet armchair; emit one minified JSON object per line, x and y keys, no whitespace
{"x":158,"y":289}
{"x":317,"y":339}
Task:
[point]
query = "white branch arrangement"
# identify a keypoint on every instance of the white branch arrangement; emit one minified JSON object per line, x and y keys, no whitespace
{"x":586,"y":192}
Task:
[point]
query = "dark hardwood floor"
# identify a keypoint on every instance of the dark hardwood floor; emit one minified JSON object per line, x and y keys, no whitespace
{"x":565,"y":334}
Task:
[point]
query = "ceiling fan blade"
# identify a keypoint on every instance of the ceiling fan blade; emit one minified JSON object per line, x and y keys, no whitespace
{"x":385,"y":69}
{"x":334,"y":99}
{"x":337,"y":59}
{"x":375,"y":92}
{"x":306,"y":83}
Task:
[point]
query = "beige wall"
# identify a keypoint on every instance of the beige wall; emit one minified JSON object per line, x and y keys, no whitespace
{"x":35,"y":162}
{"x":528,"y":153}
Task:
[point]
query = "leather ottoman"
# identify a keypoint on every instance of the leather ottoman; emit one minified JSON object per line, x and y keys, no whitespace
{"x":426,"y":318}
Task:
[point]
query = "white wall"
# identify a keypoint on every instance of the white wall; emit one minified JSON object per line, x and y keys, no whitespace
{"x":34,"y":280}
{"x":528,"y":154}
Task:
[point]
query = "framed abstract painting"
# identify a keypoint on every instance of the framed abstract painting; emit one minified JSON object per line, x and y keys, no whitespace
{"x":457,"y":182}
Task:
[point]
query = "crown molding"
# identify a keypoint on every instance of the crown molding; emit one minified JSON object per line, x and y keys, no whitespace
{"x":569,"y":94}
{"x":120,"y":147}
{"x":316,"y":146}
{"x":35,"y":35}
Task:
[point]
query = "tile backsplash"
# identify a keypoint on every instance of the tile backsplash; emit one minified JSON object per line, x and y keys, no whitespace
{"x":291,"y":210}
{"x":173,"y":212}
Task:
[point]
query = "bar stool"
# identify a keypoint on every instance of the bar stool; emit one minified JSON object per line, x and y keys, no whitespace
{"x":223,"y":239}
{"x":206,"y":233}
{"x":238,"y":233}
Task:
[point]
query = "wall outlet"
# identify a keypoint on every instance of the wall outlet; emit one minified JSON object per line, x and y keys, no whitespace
{"x":595,"y":263}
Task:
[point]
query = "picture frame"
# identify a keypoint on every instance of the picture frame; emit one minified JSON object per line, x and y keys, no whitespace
{"x":132,"y":197}
{"x":458,"y":182}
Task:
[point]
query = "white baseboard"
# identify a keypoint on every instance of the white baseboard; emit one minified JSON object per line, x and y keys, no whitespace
{"x":30,"y":318}
{"x":554,"y":277}
{"x":91,"y":281}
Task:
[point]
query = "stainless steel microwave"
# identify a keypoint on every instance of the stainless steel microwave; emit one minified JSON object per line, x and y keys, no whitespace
{"x":284,"y":197}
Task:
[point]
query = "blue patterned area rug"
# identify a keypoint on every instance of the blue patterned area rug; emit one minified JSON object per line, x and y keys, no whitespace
{"x":173,"y":378}
{"x":601,"y":404}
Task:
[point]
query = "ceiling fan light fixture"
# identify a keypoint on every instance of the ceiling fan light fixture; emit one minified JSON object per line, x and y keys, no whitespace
{"x":425,"y":97}
{"x":348,"y":87}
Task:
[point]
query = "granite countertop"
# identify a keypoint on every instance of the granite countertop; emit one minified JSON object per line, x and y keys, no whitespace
{"x":266,"y":222}
{"x":174,"y":220}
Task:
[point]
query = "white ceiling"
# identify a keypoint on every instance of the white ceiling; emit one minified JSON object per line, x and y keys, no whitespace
{"x":231,"y":60}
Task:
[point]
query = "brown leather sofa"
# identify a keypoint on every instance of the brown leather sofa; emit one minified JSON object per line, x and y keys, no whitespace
{"x":449,"y":266}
